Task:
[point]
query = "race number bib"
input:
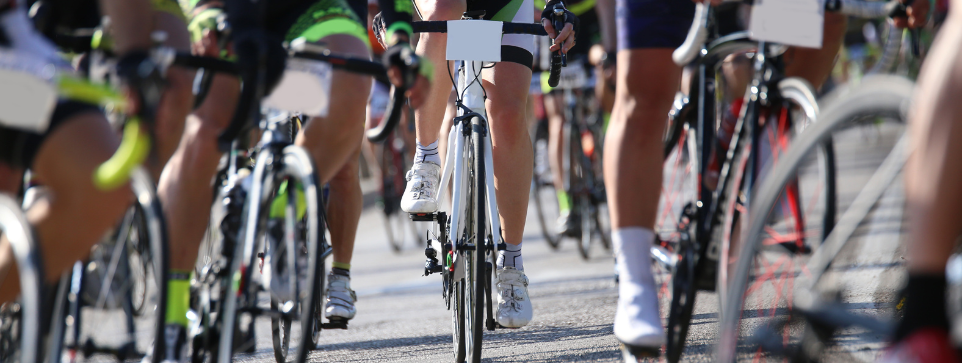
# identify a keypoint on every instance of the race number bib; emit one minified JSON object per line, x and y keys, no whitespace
{"x":304,"y":88}
{"x":789,"y":22}
{"x":27,"y":92}
{"x":474,"y":40}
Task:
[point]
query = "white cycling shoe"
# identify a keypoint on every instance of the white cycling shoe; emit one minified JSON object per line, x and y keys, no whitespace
{"x":514,"y":306}
{"x":340,"y":298}
{"x":637,"y":321}
{"x":421,"y":192}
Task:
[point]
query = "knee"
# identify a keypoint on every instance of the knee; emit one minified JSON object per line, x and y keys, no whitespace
{"x":347,"y":178}
{"x":446,"y":10}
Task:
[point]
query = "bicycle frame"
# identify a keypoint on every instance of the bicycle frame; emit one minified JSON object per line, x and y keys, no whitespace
{"x":470,"y":104}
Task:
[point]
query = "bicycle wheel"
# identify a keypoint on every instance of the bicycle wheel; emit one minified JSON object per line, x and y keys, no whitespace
{"x":475,"y":264}
{"x":542,"y":189}
{"x":292,"y":257}
{"x":802,"y":304}
{"x":20,"y":332}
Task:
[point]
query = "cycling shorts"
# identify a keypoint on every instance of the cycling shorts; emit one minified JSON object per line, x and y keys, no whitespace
{"x":653,"y":23}
{"x":320,"y":19}
{"x":516,"y":48}
{"x":18,"y":148}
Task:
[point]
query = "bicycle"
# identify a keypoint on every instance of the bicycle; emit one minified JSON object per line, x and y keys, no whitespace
{"x":696,"y":224}
{"x":275,"y":224}
{"x":581,"y":161}
{"x":819,"y":301}
{"x":695,"y":236}
{"x":469,"y":239}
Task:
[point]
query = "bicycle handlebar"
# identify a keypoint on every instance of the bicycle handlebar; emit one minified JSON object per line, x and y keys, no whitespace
{"x":506,"y":28}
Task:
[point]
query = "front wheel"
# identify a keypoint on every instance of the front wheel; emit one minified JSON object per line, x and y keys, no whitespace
{"x":781,"y":295}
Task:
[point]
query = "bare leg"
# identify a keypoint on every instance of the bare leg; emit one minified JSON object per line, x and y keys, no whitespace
{"x":647,"y":81}
{"x":932,"y":175}
{"x":334,"y":139}
{"x":344,"y":211}
{"x":507,"y":84}
{"x":815,"y":65}
{"x":432,"y":46}
{"x":65,"y":163}
{"x":185,"y":186}
{"x":178,"y":97}
{"x":554,"y":108}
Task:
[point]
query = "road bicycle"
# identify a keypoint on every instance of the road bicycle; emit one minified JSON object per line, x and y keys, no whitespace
{"x":837,"y":299}
{"x":464,"y":246}
{"x":696,"y":225}
{"x":270,"y":232}
{"x":582,"y":131}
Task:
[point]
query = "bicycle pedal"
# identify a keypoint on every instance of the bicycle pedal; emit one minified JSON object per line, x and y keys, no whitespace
{"x":423,"y":217}
{"x":335,"y":323}
{"x":639,"y":352}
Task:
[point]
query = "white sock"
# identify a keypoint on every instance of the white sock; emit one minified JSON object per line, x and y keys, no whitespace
{"x":637,"y":319}
{"x":427,"y":153}
{"x":511,"y":257}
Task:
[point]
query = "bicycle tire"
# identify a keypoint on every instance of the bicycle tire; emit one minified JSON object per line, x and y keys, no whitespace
{"x":799,"y":93}
{"x":16,"y":229}
{"x":477,"y":271}
{"x":298,"y":165}
{"x":880,"y":96}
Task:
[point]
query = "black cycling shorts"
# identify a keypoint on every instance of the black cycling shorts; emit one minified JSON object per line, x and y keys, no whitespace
{"x":653,"y":23}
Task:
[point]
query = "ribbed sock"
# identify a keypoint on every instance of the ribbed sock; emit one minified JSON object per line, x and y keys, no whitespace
{"x":342,"y":269}
{"x":564,"y":202}
{"x":511,"y":257}
{"x":178,"y":297}
{"x":924,"y":299}
{"x":427,"y":153}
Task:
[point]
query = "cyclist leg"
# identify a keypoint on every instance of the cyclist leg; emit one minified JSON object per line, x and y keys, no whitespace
{"x":554,"y":111}
{"x":647,"y":80}
{"x":507,"y":85}
{"x":421,"y":193}
{"x":932,"y":177}
{"x":343,"y":215}
{"x":334,"y":142}
{"x":64,"y":160}
{"x":178,"y":96}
